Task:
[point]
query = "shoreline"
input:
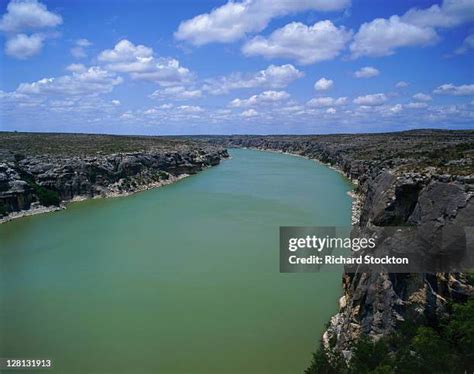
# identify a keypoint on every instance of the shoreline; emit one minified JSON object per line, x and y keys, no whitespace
{"x":40,"y":209}
{"x":357,"y":197}
{"x":108,"y":194}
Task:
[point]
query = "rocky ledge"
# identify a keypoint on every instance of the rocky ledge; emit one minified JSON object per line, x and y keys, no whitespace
{"x":418,"y":178}
{"x":40,"y":172}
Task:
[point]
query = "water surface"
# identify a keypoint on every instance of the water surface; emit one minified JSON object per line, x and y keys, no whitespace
{"x":179,"y":279}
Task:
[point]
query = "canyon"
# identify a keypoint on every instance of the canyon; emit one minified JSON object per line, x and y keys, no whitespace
{"x":422,"y":178}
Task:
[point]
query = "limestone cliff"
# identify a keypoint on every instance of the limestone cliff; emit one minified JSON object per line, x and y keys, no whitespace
{"x":420,"y":178}
{"x":51,"y":174}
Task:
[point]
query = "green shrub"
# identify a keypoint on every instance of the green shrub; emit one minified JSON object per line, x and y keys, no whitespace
{"x":46,"y":196}
{"x":470,"y":277}
{"x":326,"y":362}
{"x":368,"y":356}
{"x":459,"y":332}
{"x":447,"y":347}
{"x":427,"y":353}
{"x":3,"y":209}
{"x":163,"y":175}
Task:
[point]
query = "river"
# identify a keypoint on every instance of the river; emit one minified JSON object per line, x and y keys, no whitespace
{"x":180,"y":279}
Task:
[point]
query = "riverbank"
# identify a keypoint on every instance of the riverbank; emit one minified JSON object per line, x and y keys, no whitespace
{"x":40,"y":209}
{"x":34,"y":210}
{"x":43,"y":172}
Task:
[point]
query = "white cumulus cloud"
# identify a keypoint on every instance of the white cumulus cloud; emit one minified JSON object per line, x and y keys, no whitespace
{"x":451,"y":13}
{"x":366,"y":72}
{"x":189,"y":109}
{"x":76,"y":68}
{"x":125,"y":52}
{"x":79,"y":49}
{"x":234,"y":19}
{"x":417,"y":27}
{"x":92,"y":81}
{"x":323,"y":84}
{"x":371,"y":100}
{"x":249,"y":113}
{"x":22,"y":46}
{"x":139,"y":61}
{"x":396,"y":109}
{"x":22,"y":23}
{"x":416,"y":105}
{"x":265,"y":97}
{"x":273,"y":76}
{"x":381,"y":37}
{"x":304,"y":44}
{"x":177,"y":93}
{"x":451,"y":89}
{"x":327,"y":101}
{"x":422,"y":97}
{"x":401,"y":84}
{"x":26,"y":15}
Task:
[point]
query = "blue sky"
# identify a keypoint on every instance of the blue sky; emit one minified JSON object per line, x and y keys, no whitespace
{"x":253,"y":66}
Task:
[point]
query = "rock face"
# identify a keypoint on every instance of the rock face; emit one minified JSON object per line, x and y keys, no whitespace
{"x":423,"y":179}
{"x":48,"y":179}
{"x":375,"y":303}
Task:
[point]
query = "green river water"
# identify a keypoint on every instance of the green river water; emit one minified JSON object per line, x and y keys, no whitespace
{"x":179,"y":279}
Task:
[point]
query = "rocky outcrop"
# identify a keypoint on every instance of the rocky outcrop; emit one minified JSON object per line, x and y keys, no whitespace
{"x":422,"y":179}
{"x":48,"y":180}
{"x":375,"y":303}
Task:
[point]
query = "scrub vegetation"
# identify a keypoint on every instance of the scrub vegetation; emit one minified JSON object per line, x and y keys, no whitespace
{"x":444,"y":347}
{"x":27,"y":144}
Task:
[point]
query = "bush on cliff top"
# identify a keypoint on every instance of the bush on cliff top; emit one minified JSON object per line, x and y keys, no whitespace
{"x":445,"y":348}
